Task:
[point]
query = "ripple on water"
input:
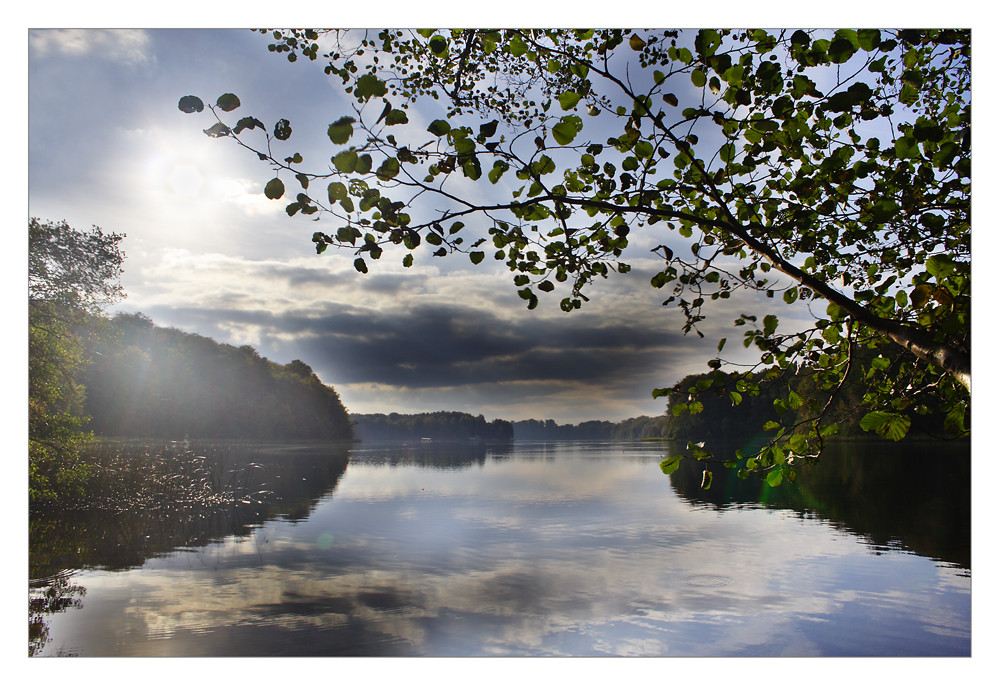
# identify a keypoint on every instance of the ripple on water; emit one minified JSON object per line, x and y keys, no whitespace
{"x":707,"y":580}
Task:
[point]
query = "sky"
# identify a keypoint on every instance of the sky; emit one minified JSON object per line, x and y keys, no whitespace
{"x":207,"y":253}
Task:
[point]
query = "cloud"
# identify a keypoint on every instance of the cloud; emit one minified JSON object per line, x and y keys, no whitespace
{"x":127,"y":46}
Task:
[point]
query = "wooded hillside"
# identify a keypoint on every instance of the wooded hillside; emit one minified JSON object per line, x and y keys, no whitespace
{"x":153,"y":381}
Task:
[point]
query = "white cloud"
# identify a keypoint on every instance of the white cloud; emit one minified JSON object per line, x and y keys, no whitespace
{"x":129,"y":46}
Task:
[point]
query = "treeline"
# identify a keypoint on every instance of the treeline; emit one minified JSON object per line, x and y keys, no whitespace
{"x":447,"y":426}
{"x":155,"y":382}
{"x":629,"y":429}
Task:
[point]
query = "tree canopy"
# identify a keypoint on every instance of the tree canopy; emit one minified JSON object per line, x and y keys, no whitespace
{"x":153,"y":381}
{"x":827,"y":170}
{"x":71,"y":275}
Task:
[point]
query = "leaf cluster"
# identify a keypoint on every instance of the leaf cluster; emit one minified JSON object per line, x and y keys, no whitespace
{"x":828,"y":170}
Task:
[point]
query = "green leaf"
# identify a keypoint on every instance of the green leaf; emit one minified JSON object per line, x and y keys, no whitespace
{"x":707,"y":41}
{"x":341,"y":130}
{"x":869,"y":39}
{"x":282,"y":130}
{"x":565,"y":131}
{"x":886,"y":424}
{"x":190,"y":103}
{"x":568,"y":100}
{"x":274,"y":189}
{"x":954,"y":420}
{"x":517,"y":46}
{"x":499,"y":167}
{"x":388,"y":169}
{"x":698,"y":78}
{"x":706,"y":480}
{"x":906,"y":147}
{"x":217,"y":130}
{"x":791,"y":295}
{"x":770,"y":324}
{"x":477,"y":256}
{"x":939,"y":266}
{"x":227,"y":102}
{"x":472,"y":169}
{"x":880,"y":363}
{"x":396,"y":117}
{"x":438,"y":45}
{"x":439,"y":127}
{"x":636,"y":43}
{"x":774,"y":478}
{"x":489,"y":129}
{"x":408,"y":260}
{"x":360,"y":265}
{"x":883,"y":210}
{"x":248,"y":123}
{"x":336,"y":191}
{"x":841,"y":50}
{"x":670,"y":464}
{"x":794,"y":400}
{"x":369,"y":86}
{"x":735,"y":398}
{"x":346,"y":161}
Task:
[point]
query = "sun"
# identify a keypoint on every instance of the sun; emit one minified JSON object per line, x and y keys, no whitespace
{"x":184,"y":178}
{"x":175,"y":171}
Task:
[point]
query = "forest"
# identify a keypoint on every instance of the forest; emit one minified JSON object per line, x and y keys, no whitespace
{"x":447,"y":426}
{"x":159,"y":382}
{"x":635,"y":428}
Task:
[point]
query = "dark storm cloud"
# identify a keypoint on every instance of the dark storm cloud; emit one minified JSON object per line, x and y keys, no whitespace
{"x":440,"y":345}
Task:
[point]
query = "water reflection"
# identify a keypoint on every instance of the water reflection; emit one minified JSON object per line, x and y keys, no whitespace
{"x":246,"y":485}
{"x":915,"y":497}
{"x":554,"y":549}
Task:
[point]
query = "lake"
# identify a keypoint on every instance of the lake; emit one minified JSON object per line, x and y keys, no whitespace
{"x":524,"y":549}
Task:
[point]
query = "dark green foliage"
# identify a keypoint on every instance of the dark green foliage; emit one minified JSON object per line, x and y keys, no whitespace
{"x":829,"y":168}
{"x":759,"y":412}
{"x":636,"y":428}
{"x":71,"y":275}
{"x":447,"y":426}
{"x":160,"y":382}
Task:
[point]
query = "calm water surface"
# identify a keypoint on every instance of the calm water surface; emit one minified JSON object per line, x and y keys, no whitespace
{"x":520,"y":549}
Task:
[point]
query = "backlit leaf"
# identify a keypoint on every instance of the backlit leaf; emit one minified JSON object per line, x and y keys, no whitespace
{"x":568,"y":100}
{"x":190,"y":103}
{"x":340,"y":131}
{"x":565,"y":131}
{"x":282,"y":130}
{"x":670,"y":464}
{"x":227,"y":102}
{"x":274,"y":189}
